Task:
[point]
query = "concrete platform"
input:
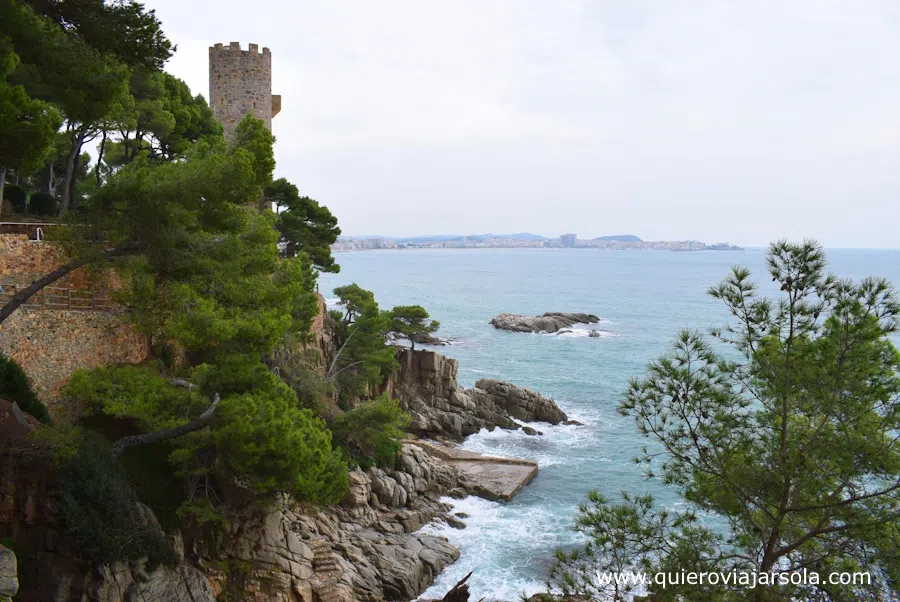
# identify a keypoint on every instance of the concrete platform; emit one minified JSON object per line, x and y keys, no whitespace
{"x":494,"y":478}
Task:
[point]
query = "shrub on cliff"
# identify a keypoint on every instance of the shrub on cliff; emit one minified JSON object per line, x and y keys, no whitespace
{"x":305,"y":225}
{"x":371,"y":433}
{"x":411,"y":322}
{"x":785,"y":429}
{"x":15,"y":386}
{"x":363,"y":360}
{"x":258,"y":436}
{"x":98,"y":506}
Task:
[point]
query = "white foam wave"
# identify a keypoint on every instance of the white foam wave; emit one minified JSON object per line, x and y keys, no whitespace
{"x":557,"y":445}
{"x":573,"y":333}
{"x":491,"y":546}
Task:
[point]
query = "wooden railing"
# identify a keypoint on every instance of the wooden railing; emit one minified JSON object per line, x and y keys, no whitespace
{"x":54,"y":297}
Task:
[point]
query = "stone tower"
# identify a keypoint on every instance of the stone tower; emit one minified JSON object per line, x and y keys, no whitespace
{"x":240,"y":82}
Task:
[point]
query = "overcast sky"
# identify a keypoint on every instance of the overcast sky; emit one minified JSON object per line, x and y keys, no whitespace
{"x":710,"y":120}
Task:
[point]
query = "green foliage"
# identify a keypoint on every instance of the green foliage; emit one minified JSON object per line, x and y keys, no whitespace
{"x":80,"y":57}
{"x":16,"y":195}
{"x":98,"y":506}
{"x":252,"y":136}
{"x":279,"y":446}
{"x":789,"y":434}
{"x":411,"y":322}
{"x":43,"y":204}
{"x":355,"y":300}
{"x":363,"y":361}
{"x":134,"y":393}
{"x":298,"y":365}
{"x":120,"y":29}
{"x":371,"y":433}
{"x":15,"y":386}
{"x":194,"y":120}
{"x":27,"y":126}
{"x":151,"y":476}
{"x":159,"y":121}
{"x":304,"y":224}
{"x":201,"y":268}
{"x":259,"y":435}
{"x":201,"y":514}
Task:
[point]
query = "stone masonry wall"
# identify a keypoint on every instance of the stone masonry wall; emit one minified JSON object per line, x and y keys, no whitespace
{"x":51,"y":344}
{"x":23,"y":260}
{"x":240,"y":82}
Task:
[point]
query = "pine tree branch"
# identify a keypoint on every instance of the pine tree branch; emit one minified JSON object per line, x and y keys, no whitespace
{"x":164,"y":435}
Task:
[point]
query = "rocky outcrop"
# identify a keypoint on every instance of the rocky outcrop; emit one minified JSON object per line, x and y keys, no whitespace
{"x":9,"y":579}
{"x":425,"y":385}
{"x":365,"y":549}
{"x":548,"y":322}
{"x":427,"y":339}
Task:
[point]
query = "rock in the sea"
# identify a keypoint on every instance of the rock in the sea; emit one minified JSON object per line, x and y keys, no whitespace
{"x":549,"y":322}
{"x":455,"y":522}
{"x":425,"y":385}
{"x":427,"y":339}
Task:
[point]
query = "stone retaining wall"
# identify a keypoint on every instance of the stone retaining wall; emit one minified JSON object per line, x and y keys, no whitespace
{"x":52,"y":344}
{"x":23,"y":261}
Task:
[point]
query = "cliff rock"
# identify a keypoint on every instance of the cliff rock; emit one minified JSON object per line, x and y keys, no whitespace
{"x":548,"y":322}
{"x":365,"y":549}
{"x":425,"y":385}
{"x":9,"y":580}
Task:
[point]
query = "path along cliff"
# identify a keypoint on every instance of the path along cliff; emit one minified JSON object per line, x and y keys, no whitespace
{"x":368,"y":548}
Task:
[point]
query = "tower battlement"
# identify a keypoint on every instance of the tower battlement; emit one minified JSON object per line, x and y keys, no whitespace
{"x":251,"y":48}
{"x":240,"y":82}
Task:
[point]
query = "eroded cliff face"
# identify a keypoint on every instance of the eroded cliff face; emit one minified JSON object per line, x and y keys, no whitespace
{"x":425,"y":384}
{"x":365,"y":549}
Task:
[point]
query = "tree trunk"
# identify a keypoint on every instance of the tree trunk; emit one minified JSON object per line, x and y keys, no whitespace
{"x":26,"y":293}
{"x":2,"y":182}
{"x":73,"y":181}
{"x":100,"y":158}
{"x":71,"y":163}
{"x":205,"y":419}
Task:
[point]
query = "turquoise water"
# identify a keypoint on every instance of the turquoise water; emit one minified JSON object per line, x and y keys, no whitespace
{"x":643,"y":298}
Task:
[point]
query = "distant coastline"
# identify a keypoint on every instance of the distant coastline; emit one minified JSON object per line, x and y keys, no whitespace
{"x":523,"y":241}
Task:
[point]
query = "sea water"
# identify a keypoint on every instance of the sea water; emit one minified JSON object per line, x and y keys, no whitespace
{"x":643,"y":299}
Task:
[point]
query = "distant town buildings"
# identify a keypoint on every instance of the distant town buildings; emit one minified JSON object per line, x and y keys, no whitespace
{"x":362,"y":244}
{"x":346,"y":243}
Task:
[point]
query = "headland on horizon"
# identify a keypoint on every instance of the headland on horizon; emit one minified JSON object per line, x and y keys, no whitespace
{"x":522,"y":240}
